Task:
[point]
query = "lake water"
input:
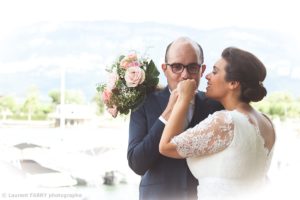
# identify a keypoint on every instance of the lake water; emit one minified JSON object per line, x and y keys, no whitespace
{"x":88,"y":154}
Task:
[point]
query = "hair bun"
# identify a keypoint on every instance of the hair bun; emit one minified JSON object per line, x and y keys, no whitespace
{"x":254,"y":94}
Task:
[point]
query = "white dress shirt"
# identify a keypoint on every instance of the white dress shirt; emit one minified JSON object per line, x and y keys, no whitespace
{"x":189,"y":117}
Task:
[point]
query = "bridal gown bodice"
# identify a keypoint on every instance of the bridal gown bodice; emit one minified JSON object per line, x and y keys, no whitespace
{"x":226,"y":153}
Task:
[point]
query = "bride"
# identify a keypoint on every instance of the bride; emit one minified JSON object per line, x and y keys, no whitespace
{"x":230,"y":151}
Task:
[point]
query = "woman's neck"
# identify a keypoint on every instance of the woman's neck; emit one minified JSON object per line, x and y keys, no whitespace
{"x":235,"y":104}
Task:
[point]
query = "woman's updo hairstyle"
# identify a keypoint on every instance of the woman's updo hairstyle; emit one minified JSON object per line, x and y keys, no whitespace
{"x":247,"y":69}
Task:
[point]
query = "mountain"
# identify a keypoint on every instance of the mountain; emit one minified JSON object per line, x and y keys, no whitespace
{"x":36,"y":55}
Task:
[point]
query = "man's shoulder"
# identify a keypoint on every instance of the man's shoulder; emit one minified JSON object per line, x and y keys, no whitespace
{"x":200,"y":96}
{"x":157,"y":94}
{"x":208,"y":102}
{"x":154,"y":99}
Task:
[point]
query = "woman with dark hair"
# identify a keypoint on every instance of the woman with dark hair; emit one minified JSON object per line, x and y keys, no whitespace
{"x":230,"y":151}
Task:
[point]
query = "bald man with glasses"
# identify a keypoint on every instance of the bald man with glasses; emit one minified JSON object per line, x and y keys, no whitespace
{"x":162,"y":177}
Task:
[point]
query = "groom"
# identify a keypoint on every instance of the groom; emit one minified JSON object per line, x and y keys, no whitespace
{"x":162,"y":177}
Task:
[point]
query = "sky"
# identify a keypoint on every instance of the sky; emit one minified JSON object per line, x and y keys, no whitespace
{"x":277,"y":15}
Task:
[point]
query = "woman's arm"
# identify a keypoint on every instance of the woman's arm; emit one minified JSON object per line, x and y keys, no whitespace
{"x":186,"y":90}
{"x":210,"y":136}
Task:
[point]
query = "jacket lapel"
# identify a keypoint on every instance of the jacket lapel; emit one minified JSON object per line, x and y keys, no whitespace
{"x":163,"y":98}
{"x":201,"y":110}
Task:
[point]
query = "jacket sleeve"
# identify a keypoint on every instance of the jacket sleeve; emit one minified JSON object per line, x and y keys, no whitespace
{"x":143,"y":141}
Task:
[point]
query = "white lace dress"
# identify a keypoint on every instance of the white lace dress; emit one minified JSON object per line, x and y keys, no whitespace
{"x":226,"y":153}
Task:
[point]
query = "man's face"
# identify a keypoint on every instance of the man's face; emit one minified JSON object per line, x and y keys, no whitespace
{"x":181,"y":52}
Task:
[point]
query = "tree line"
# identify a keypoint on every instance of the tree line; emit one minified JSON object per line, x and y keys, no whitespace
{"x":281,"y":105}
{"x":276,"y":105}
{"x":33,"y":108}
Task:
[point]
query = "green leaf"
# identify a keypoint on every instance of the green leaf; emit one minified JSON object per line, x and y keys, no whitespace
{"x":121,"y":58}
{"x":151,"y":70}
{"x":100,"y":87}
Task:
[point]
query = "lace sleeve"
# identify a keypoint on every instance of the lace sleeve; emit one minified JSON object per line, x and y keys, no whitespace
{"x":210,"y":136}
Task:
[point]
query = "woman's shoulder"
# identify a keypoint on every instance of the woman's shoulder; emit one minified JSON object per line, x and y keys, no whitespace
{"x":230,"y":114}
{"x":222,"y":116}
{"x":222,"y":113}
{"x":267,"y":130}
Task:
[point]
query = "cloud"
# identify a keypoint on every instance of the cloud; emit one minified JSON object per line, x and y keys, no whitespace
{"x":295,"y":74}
{"x":40,"y":41}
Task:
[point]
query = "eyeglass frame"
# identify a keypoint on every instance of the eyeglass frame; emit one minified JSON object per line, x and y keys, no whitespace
{"x":185,"y":66}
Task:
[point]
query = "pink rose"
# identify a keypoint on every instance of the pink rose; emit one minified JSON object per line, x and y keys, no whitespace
{"x":130,"y":61}
{"x":124,"y":63}
{"x":113,"y":78}
{"x":134,"y":76}
{"x":134,"y":64}
{"x":132,"y":56}
{"x":106,"y":94}
{"x":113,"y":111}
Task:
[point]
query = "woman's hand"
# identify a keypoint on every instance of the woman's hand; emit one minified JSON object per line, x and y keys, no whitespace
{"x":186,"y":89}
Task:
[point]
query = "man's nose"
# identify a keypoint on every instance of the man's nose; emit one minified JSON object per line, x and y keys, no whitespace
{"x":185,"y":74}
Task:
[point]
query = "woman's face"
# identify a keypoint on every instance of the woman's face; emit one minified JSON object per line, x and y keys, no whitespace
{"x":217,"y":87}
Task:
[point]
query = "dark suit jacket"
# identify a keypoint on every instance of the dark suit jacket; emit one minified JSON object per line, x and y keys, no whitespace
{"x":162,"y":177}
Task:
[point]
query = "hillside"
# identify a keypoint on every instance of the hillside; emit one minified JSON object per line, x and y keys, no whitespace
{"x":35,"y":55}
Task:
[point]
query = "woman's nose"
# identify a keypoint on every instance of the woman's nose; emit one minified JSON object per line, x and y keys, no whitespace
{"x":208,"y":76}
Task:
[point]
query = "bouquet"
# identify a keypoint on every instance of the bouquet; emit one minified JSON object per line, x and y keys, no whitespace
{"x":130,"y":79}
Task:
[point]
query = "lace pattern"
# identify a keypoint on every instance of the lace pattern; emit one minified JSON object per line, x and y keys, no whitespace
{"x":210,"y":136}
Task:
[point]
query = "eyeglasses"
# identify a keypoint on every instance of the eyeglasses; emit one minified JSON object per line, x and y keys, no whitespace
{"x":178,"y":68}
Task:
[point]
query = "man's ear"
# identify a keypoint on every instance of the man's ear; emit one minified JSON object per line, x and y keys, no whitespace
{"x":203,"y":68}
{"x":164,"y":67}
